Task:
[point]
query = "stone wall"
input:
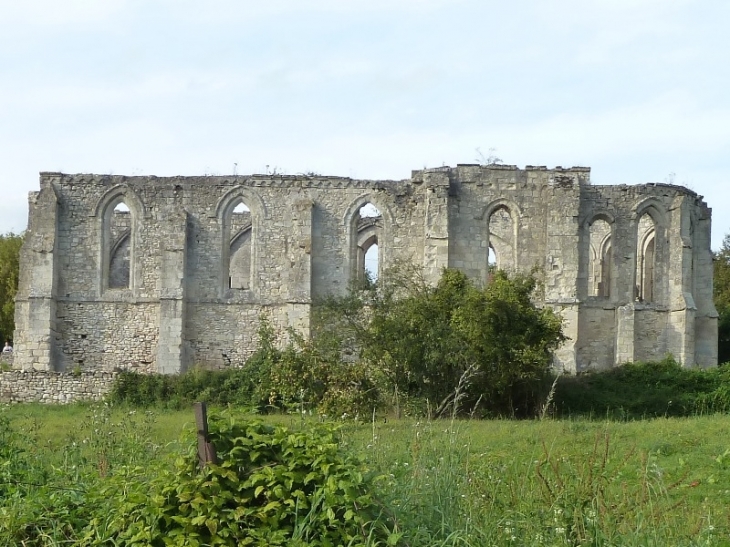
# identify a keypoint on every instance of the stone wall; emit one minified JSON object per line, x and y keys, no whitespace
{"x":29,"y":386}
{"x":183,"y":277}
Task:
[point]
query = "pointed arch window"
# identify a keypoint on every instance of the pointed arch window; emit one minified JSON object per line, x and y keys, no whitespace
{"x":118,"y":252}
{"x":239,"y":229}
{"x":369,"y":224}
{"x":501,"y":239}
{"x":646,"y":259}
{"x":601,"y":261}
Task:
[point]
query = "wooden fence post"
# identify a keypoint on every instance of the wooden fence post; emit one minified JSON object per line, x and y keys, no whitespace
{"x":206,"y":450}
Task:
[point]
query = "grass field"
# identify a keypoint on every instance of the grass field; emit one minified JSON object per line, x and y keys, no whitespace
{"x":575,"y":482}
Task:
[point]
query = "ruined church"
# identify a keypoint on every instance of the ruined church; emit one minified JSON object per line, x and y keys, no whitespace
{"x":160,"y":274}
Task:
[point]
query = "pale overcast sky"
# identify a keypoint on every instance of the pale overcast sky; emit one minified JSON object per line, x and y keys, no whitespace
{"x":639,"y":90}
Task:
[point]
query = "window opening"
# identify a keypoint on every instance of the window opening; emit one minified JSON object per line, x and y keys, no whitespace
{"x":369,"y":226}
{"x":371,"y":262}
{"x":119,"y":231}
{"x":501,"y":239}
{"x":492,"y":260}
{"x":239,"y":251}
{"x":599,"y":271}
{"x":646,"y":259}
{"x":604,"y":287}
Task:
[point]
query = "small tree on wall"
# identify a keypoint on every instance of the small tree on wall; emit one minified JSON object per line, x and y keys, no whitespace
{"x":9,"y":272}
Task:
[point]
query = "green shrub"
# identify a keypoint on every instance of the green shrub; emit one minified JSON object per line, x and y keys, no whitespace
{"x":455,"y":344}
{"x":271,"y":486}
{"x":310,"y":374}
{"x":645,"y":390}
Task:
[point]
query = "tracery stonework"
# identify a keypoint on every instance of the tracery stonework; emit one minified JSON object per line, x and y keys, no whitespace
{"x":161,"y":274}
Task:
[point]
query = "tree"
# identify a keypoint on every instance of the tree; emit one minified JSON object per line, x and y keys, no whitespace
{"x":9,"y":271}
{"x":721,"y":265}
{"x":454,"y":344}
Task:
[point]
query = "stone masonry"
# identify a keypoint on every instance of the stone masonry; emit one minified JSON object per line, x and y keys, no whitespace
{"x":163,"y":274}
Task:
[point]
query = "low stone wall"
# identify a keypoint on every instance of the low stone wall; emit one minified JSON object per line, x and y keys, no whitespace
{"x":34,"y":386}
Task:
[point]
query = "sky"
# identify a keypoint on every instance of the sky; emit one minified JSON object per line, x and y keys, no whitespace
{"x":635,"y":89}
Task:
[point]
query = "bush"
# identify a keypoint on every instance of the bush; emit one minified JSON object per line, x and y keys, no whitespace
{"x":645,"y":390}
{"x":179,"y":391}
{"x":311,"y":375}
{"x":271,"y":486}
{"x":455,"y":345}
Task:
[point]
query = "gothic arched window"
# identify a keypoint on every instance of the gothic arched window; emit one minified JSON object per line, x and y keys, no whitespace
{"x":369,"y":222}
{"x":501,"y":238}
{"x":646,"y":259}
{"x":238,"y":226}
{"x":118,"y":228}
{"x":601,"y":263}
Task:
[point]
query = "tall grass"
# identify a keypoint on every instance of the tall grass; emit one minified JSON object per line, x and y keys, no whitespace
{"x":554,"y":483}
{"x":444,"y":482}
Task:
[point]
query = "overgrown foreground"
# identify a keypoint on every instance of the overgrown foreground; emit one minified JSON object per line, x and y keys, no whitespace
{"x":102,"y":476}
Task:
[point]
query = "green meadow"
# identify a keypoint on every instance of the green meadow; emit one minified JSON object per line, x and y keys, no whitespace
{"x":655,"y":482}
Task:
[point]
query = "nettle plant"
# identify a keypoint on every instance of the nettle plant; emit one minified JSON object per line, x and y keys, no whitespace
{"x":271,"y":486}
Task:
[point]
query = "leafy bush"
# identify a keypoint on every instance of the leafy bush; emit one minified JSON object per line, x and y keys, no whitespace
{"x":643,"y":390}
{"x":311,"y":374}
{"x":271,"y":486}
{"x":454,"y":345}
